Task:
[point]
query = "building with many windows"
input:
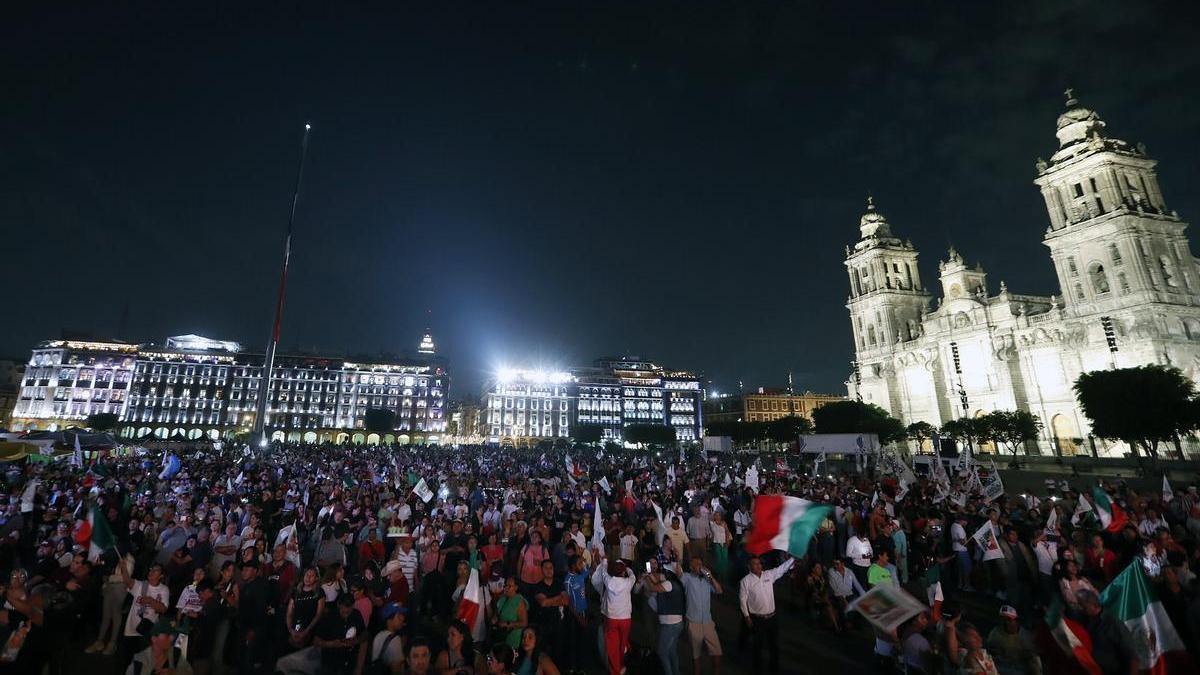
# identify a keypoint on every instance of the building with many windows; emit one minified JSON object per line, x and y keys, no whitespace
{"x":765,"y":405}
{"x":523,"y":406}
{"x":196,"y":387}
{"x":1128,"y":295}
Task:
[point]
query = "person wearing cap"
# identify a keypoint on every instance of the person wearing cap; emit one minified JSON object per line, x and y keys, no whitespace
{"x":387,"y":648}
{"x":1012,"y":647}
{"x":162,"y":655}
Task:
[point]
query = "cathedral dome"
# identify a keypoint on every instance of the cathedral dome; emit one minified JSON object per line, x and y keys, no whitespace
{"x":873,"y":224}
{"x":1077,"y":123}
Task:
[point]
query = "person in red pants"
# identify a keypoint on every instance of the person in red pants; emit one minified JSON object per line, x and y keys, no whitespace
{"x":615,"y":583}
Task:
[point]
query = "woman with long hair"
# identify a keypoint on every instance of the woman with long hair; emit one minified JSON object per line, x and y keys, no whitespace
{"x":305,"y":608}
{"x":720,"y":542}
{"x":531,"y":658}
{"x":530,"y":562}
{"x":334,"y":582}
{"x":459,"y":655}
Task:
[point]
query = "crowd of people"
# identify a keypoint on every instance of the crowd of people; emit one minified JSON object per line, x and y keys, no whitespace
{"x":344,"y":559}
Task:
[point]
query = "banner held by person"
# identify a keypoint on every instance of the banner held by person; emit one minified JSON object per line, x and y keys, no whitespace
{"x":423,"y":490}
{"x":886,"y":607}
{"x":985,"y":536}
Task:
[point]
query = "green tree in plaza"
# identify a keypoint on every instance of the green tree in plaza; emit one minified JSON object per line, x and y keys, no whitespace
{"x":379,"y":420}
{"x":920,"y":432}
{"x":787,"y":429}
{"x":969,"y":430}
{"x":587,"y":433}
{"x":101,"y":421}
{"x":1143,"y":406}
{"x":1012,"y":428}
{"x":856,"y":417}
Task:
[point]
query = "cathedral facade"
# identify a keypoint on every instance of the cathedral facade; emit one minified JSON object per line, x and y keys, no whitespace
{"x":1129,"y":295}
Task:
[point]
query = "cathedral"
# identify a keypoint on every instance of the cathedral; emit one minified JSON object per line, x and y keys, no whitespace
{"x":1130,"y":295}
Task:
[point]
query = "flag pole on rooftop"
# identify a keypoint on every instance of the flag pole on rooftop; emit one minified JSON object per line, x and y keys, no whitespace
{"x":260,"y":414}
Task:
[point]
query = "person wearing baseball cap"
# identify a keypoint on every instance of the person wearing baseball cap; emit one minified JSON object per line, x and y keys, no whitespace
{"x":388,"y":645}
{"x":1011,"y":646}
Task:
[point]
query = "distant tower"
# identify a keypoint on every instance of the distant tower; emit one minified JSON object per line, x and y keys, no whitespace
{"x":1113,"y":241}
{"x":886,"y":299}
{"x":427,"y":346}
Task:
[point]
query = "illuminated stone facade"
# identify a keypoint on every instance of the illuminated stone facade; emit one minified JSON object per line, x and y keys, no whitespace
{"x":197,"y":387}
{"x":1122,"y":260}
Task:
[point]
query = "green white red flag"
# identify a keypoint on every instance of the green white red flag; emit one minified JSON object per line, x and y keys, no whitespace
{"x":1133,"y":601}
{"x":1071,"y":637}
{"x":94,"y":534}
{"x":472,"y":601}
{"x":1112,"y":517}
{"x":784,"y":523}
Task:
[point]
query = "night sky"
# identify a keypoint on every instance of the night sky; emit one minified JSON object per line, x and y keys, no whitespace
{"x":555,"y":182}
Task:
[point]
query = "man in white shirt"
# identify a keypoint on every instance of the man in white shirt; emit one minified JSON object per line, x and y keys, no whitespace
{"x":698,"y":532}
{"x":756,"y":596}
{"x":859,"y":552}
{"x":958,"y":537}
{"x":629,"y":542}
{"x":616,"y":604}
{"x":741,"y":522}
{"x":843,"y":585}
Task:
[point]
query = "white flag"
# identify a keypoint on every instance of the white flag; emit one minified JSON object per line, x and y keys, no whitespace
{"x":604,"y":484}
{"x":1167,"y":495}
{"x":985,"y":536}
{"x":629,"y":485}
{"x":671,"y":475}
{"x":752,"y":478}
{"x":239,"y":479}
{"x":726,"y":481}
{"x":660,"y":528}
{"x":28,"y":495}
{"x":423,"y":491}
{"x":875,"y":498}
{"x":1081,"y":510}
{"x":597,"y":528}
{"x":77,"y":456}
{"x":1052,"y":521}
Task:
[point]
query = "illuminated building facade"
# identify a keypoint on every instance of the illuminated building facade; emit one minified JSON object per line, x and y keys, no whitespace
{"x":765,"y":405}
{"x":197,"y":387}
{"x":613,"y":394}
{"x":1129,"y":296}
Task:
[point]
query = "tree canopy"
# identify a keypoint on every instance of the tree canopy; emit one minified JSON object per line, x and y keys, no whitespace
{"x":379,"y":420}
{"x":1012,"y":428}
{"x":650,"y":434}
{"x":856,"y":417}
{"x":587,"y":433}
{"x":101,"y":421}
{"x":787,"y":429}
{"x":1143,"y":406}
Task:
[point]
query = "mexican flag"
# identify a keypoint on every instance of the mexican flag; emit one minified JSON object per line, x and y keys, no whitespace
{"x":471,"y":602}
{"x":784,"y":523}
{"x":1132,"y":600}
{"x":94,"y":534}
{"x":1071,"y":637}
{"x":1112,"y":517}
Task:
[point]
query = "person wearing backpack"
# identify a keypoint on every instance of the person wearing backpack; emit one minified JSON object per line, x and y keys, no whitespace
{"x":387,"y":649}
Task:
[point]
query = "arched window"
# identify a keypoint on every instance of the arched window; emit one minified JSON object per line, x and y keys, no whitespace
{"x":1114,"y":254}
{"x":871,"y":335}
{"x":1098,"y":278}
{"x":1123,"y":283}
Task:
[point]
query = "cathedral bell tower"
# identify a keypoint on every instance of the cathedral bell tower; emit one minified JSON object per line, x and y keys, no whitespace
{"x":1113,"y":241}
{"x":887,"y":300}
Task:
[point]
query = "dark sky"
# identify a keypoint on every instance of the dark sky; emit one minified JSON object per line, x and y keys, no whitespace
{"x":556,"y":181}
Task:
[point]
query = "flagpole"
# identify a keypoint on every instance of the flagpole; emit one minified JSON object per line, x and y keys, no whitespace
{"x":260,"y":409}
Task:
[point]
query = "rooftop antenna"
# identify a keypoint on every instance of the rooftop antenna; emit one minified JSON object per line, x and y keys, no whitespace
{"x":260,"y":413}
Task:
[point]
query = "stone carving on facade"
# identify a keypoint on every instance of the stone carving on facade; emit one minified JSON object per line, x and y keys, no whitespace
{"x":962,"y":320}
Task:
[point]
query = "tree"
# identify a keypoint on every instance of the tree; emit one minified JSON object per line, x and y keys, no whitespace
{"x":650,"y":434}
{"x":856,"y":417}
{"x":1012,"y":428}
{"x":967,"y":430}
{"x":920,"y":432}
{"x":379,"y":420}
{"x":101,"y":421}
{"x":787,"y":429}
{"x":587,"y":433}
{"x":1143,"y":406}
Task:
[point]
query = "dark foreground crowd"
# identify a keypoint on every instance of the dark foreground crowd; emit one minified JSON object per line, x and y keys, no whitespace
{"x":336,"y":559}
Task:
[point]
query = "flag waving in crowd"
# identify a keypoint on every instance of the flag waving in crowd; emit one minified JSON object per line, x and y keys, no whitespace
{"x":784,"y":523}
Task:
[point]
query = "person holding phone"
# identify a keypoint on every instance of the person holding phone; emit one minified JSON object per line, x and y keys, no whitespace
{"x":699,"y":585}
